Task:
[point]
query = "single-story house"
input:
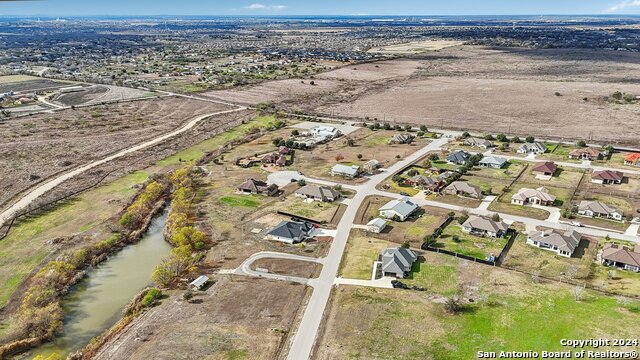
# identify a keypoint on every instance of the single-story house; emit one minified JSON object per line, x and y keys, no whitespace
{"x":397,"y":262}
{"x":319,"y":193}
{"x":257,"y":187}
{"x":275,"y":159}
{"x":586,"y":153}
{"x":607,"y":177}
{"x":532,"y":148}
{"x":325,"y":132}
{"x":283,"y":150}
{"x":539,"y":196}
{"x":371,"y":166}
{"x":563,"y":243}
{"x":399,"y":209}
{"x":632,"y":159}
{"x":463,"y":188}
{"x":458,"y":157}
{"x":545,"y":169}
{"x":599,"y":209}
{"x":291,"y":232}
{"x":621,"y":257}
{"x":495,"y":162}
{"x":481,"y":226}
{"x":401,"y":139}
{"x":476,"y":142}
{"x":350,"y":172}
{"x":200,"y":282}
{"x":376,"y":225}
{"x":425,"y":182}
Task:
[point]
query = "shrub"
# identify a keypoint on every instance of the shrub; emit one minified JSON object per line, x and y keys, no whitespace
{"x":151,"y":296}
{"x":530,"y":139}
{"x":581,"y":143}
{"x":462,"y":218}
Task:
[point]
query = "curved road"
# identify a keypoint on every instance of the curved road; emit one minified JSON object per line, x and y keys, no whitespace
{"x":40,"y":190}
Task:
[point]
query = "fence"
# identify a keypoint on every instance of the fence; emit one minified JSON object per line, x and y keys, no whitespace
{"x":294,"y":216}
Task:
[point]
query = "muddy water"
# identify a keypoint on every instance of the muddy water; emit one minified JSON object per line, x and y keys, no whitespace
{"x":96,"y":303}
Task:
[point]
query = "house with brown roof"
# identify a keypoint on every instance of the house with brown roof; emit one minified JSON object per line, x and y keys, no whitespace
{"x":622,"y":257}
{"x":585,"y":153}
{"x":274,"y":159}
{"x":599,"y":209}
{"x":425,"y":182}
{"x":257,"y":187}
{"x":563,"y":243}
{"x":539,"y":196}
{"x":632,"y":159}
{"x":544,"y":170}
{"x":319,"y":193}
{"x":476,"y":225}
{"x":607,"y":177}
{"x":463,"y":188}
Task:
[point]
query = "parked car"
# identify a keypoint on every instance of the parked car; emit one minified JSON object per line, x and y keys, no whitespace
{"x":404,"y":193}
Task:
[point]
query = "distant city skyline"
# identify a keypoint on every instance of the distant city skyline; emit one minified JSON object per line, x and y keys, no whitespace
{"x":325,"y":7}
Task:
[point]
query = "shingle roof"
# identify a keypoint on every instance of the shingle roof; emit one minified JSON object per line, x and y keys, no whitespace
{"x":589,"y":151}
{"x":458,"y":156}
{"x":493,"y":160}
{"x":344,"y":169}
{"x":397,"y":260}
{"x":607,"y":175}
{"x":477,"y":222}
{"x":529,"y":147}
{"x":403,"y":207}
{"x":318,"y":191}
{"x":254,"y":185}
{"x":291,"y":230}
{"x":621,"y":254}
{"x":545,"y":167}
{"x":597,"y":207}
{"x":563,"y":240}
{"x":465,"y":187}
{"x":541,"y":193}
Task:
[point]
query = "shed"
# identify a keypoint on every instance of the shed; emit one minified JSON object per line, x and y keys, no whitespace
{"x":200,"y":282}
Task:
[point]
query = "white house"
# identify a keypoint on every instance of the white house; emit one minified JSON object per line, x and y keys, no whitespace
{"x":532,"y":148}
{"x":495,"y":162}
{"x":599,"y":209}
{"x":376,"y":225}
{"x":563,"y":243}
{"x":477,"y":225}
{"x":539,"y":196}
{"x":349,"y":172}
{"x":399,"y":209}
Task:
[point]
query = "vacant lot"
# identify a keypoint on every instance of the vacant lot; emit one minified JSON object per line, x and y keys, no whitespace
{"x":19,"y":83}
{"x":374,"y":71}
{"x":39,"y":146}
{"x":415,"y":47}
{"x":453,"y":239}
{"x":303,"y":269}
{"x":96,"y":94}
{"x":233,"y":319}
{"x":505,"y":307}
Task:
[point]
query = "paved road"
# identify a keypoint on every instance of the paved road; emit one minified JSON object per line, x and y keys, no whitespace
{"x":40,"y":190}
{"x":305,"y":337}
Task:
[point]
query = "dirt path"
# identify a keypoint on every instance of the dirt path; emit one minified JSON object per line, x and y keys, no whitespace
{"x":40,"y":190}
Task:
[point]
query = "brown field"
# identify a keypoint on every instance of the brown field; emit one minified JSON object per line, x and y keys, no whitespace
{"x":374,"y":71}
{"x":236,"y":318}
{"x":288,"y":267}
{"x":96,"y":94}
{"x":37,"y":147}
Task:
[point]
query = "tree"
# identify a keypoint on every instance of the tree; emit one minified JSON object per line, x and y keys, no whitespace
{"x":451,"y":214}
{"x":423,"y":128}
{"x":386,"y":126}
{"x":359,"y":156}
{"x":312,"y":82}
{"x":456,"y":238}
{"x":617,"y":95}
{"x":351,"y":143}
{"x":420,"y":133}
{"x":397,"y":179}
{"x":412,"y":172}
{"x":434,"y":157}
{"x":516,"y":139}
{"x":530,"y":139}
{"x":502,"y":137}
{"x":407,"y":127}
{"x":301,"y":182}
{"x":397,"y":127}
{"x":463,"y":218}
{"x":488,"y":137}
{"x":557,"y":94}
{"x":452,"y":306}
{"x":376,"y":126}
{"x":295,"y":133}
{"x":495,"y":217}
{"x":406,"y":244}
{"x":465,"y":135}
{"x":581,"y":143}
{"x":339,"y":157}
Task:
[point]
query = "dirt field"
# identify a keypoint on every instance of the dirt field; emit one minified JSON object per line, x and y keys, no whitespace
{"x":374,"y":71}
{"x":96,"y":94}
{"x":236,"y":318}
{"x":415,"y":47}
{"x":20,"y":83}
{"x":288,"y":267}
{"x":37,"y":147}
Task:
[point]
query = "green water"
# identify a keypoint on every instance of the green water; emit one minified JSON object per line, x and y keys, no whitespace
{"x":96,"y":303}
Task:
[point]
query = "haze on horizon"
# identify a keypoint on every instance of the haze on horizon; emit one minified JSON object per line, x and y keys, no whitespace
{"x":327,"y":7}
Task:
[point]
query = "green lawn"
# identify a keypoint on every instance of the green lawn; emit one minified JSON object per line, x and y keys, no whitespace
{"x":526,"y":211}
{"x":361,"y":252}
{"x":470,"y":245}
{"x":317,"y":210}
{"x":247,"y":201}
{"x":441,"y":164}
{"x":439,"y":279}
{"x":197,"y":151}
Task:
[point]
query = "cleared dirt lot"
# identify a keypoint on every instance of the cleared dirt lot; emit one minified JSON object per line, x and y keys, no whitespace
{"x":19,"y":83}
{"x":96,"y":94}
{"x":236,"y":318}
{"x":374,"y":71}
{"x":37,"y":147}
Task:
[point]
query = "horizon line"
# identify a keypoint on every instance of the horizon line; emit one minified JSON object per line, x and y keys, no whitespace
{"x":317,"y":15}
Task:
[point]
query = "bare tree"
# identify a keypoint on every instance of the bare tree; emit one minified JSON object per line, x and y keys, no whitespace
{"x":577,"y":292}
{"x":535,"y":277}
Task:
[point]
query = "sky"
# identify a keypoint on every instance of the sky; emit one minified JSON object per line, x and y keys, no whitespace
{"x":316,"y":7}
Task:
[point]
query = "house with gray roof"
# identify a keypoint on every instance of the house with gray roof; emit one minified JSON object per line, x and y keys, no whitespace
{"x":318,"y":193}
{"x":463,"y":188}
{"x":347,"y":171}
{"x":376,"y":225}
{"x":599,"y":209}
{"x":476,"y":225}
{"x":257,"y":187}
{"x":539,"y":196}
{"x":495,"y":162}
{"x":477,"y":142}
{"x":401,"y":139}
{"x":398,"y":209}
{"x":291,"y":232}
{"x":458,"y":157}
{"x":396,"y":262}
{"x":532,"y":148}
{"x":563,"y":243}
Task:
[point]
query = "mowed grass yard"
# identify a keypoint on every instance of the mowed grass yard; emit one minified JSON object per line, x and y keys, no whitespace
{"x":621,"y":281}
{"x":369,"y":323}
{"x":359,"y":255}
{"x":467,"y":244}
{"x":319,"y":211}
{"x":531,"y":259}
{"x":26,"y":245}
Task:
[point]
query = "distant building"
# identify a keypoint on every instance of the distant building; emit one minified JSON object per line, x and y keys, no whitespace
{"x":324,"y":133}
{"x":544,"y":170}
{"x":586,"y":153}
{"x":607,"y":177}
{"x":397,"y":262}
{"x":401,"y":139}
{"x":563,"y":243}
{"x":477,"y":142}
{"x":399,"y":209}
{"x":257,"y":187}
{"x":539,"y":196}
{"x":200,"y":282}
{"x":349,"y":172}
{"x":632,"y":159}
{"x":371,"y":166}
{"x":532,"y":148}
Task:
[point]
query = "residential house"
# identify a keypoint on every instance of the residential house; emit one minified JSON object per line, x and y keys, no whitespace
{"x":622,"y":257}
{"x":425,"y":182}
{"x":376,"y":225}
{"x":396,"y":262}
{"x":463,"y":188}
{"x":346,"y":171}
{"x":586,"y":153}
{"x":283,"y":150}
{"x":401,"y":139}
{"x":398,"y":209}
{"x":458,"y":157}
{"x":371,"y":166}
{"x":291,"y":232}
{"x":599,"y":209}
{"x":274,"y":159}
{"x":539,"y":196}
{"x":532,"y":148}
{"x":477,"y":142}
{"x":495,"y":162}
{"x":319,"y":193}
{"x":632,"y":159}
{"x":324,"y":133}
{"x":606,"y":177}
{"x":257,"y":187}
{"x":481,"y":226}
{"x":563,"y":243}
{"x":544,"y":170}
